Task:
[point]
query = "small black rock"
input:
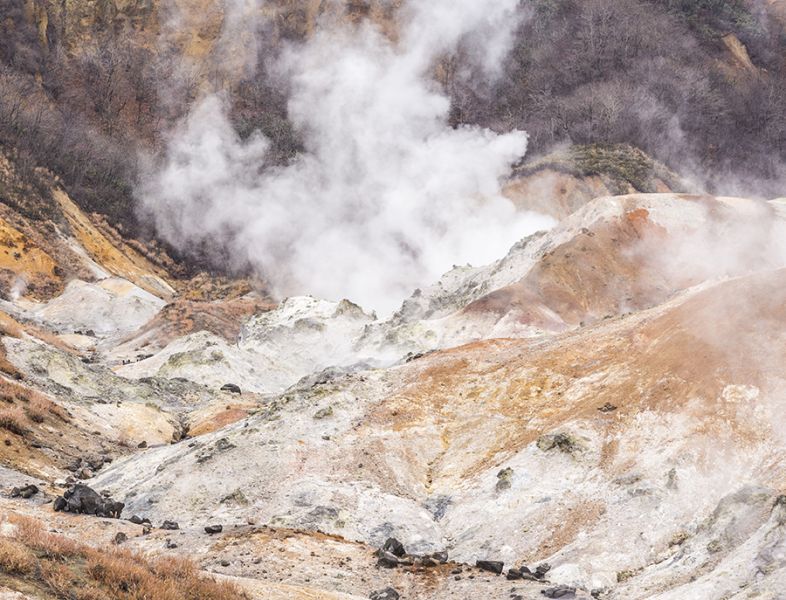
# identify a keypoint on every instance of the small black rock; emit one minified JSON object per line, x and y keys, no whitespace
{"x":541,"y":570}
{"x":514,"y":574}
{"x":170,"y":525}
{"x":137,"y":520}
{"x":387,"y":560}
{"x":230,"y":387}
{"x":395,"y":547}
{"x":494,"y":566}
{"x":120,"y":537}
{"x":561,"y":591}
{"x":211,"y":529}
{"x":441,"y":557}
{"x":25,"y":492}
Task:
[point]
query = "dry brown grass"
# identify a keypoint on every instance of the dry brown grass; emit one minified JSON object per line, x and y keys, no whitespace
{"x":56,"y":577}
{"x":13,"y":419}
{"x":34,"y":405}
{"x":16,"y":557}
{"x":10,"y":326}
{"x":6,"y":366}
{"x":48,"y":545}
{"x":9,"y":369}
{"x":71,"y":570}
{"x":39,"y":407}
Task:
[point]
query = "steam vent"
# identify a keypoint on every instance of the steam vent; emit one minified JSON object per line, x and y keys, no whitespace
{"x":392,"y":299}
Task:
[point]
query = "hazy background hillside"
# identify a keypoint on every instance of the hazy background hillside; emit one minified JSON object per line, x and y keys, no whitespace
{"x":87,"y":88}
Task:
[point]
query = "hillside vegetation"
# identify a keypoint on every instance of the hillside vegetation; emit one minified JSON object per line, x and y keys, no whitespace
{"x":697,"y":84}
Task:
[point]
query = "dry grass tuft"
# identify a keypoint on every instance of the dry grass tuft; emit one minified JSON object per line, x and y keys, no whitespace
{"x":91,"y":593}
{"x":48,"y":545}
{"x":36,"y":406}
{"x":16,"y":558}
{"x":8,"y":368}
{"x":57,"y":577}
{"x":13,"y":419}
{"x":10,"y":326}
{"x":72,"y":570}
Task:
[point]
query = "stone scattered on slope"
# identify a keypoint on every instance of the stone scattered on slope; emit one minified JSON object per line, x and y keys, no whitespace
{"x":493,"y":566}
{"x":81,"y":499}
{"x":560,"y":591}
{"x":26,"y":492}
{"x":386,"y":594}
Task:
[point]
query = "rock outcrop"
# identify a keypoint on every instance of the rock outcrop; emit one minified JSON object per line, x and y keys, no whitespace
{"x":81,"y":499}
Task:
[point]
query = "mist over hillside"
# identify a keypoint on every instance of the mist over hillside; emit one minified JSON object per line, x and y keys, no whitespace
{"x":698,"y":85}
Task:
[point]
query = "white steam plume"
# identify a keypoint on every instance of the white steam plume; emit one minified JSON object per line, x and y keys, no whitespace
{"x":387,"y":195}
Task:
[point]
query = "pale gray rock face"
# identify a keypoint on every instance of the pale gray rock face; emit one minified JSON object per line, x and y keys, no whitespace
{"x":110,"y":307}
{"x":275,"y":349}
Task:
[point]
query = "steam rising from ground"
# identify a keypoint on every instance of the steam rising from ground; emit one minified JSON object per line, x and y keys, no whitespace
{"x":387,"y":195}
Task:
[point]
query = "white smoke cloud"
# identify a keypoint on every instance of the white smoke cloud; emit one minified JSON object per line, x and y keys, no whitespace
{"x":387,"y":195}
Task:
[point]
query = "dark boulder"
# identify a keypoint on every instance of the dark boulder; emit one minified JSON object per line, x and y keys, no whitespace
{"x":395,"y":547}
{"x":441,"y":557}
{"x":429,"y":561}
{"x":120,"y":537}
{"x":25,"y":492}
{"x":514,"y":574}
{"x":137,"y":520}
{"x":541,"y":570}
{"x":561,"y":591}
{"x":493,"y":566}
{"x":230,"y":387}
{"x":211,"y":529}
{"x":82,"y":500}
{"x":387,"y":560}
{"x":170,"y":525}
{"x":113,"y":509}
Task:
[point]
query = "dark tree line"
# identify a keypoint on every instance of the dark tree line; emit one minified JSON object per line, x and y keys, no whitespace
{"x":651,"y":73}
